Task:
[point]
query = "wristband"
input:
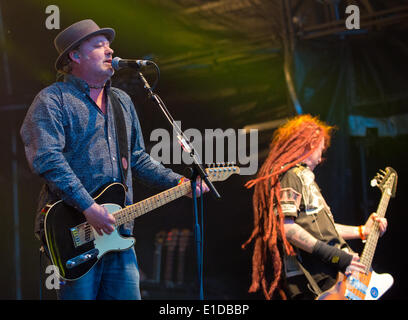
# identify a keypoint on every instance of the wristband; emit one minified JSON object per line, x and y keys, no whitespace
{"x":332,"y":255}
{"x":182,"y":180}
{"x":360,"y":232}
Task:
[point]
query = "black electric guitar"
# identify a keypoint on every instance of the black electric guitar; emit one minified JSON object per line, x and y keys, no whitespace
{"x":367,"y":285}
{"x":75,"y":247}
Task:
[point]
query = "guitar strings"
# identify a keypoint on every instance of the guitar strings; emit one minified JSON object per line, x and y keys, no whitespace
{"x":122,"y":215}
{"x":139,"y":208}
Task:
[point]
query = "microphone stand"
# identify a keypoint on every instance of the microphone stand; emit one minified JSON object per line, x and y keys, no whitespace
{"x":196,"y":170}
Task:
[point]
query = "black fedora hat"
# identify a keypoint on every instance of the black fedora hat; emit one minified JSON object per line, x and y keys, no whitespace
{"x":70,"y":37}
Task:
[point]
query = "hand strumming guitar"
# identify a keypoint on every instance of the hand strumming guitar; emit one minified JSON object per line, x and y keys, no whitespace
{"x":100,"y":219}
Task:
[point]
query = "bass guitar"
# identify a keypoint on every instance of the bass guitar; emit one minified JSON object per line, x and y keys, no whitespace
{"x":367,"y":285}
{"x":75,"y":247}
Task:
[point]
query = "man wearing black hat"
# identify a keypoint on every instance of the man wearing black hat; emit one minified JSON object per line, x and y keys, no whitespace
{"x":71,"y":141}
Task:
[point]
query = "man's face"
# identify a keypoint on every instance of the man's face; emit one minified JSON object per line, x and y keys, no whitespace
{"x":95,"y":57}
{"x":316,"y":157}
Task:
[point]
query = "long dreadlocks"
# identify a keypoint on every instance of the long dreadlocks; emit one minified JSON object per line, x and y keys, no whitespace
{"x":291,"y":144}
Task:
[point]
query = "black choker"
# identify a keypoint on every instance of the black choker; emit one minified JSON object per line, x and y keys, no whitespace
{"x":96,"y":87}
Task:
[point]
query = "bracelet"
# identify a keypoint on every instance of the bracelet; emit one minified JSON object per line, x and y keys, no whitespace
{"x":182,"y":180}
{"x":360,"y":232}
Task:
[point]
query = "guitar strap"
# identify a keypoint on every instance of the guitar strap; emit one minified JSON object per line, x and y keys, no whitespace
{"x":120,"y":127}
{"x":310,"y":279}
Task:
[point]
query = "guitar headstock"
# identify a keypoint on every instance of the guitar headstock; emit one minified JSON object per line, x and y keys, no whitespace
{"x":386,"y":181}
{"x":221,"y":171}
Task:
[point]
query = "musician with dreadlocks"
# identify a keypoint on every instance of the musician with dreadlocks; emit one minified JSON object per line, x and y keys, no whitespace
{"x":298,"y":248}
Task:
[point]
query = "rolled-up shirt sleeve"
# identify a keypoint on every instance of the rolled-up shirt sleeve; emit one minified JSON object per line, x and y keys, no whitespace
{"x":290,"y":194}
{"x":43,"y":136}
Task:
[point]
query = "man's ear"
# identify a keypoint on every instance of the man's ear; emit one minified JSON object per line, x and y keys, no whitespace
{"x":74,"y":56}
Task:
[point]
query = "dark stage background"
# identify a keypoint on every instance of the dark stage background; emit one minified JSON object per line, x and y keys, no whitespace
{"x":224,"y":64}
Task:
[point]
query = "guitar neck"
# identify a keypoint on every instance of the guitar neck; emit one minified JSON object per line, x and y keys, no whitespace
{"x":371,"y":244}
{"x":83,"y":233}
{"x":140,"y":208}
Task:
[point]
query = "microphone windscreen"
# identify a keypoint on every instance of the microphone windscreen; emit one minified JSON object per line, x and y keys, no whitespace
{"x":115,"y":63}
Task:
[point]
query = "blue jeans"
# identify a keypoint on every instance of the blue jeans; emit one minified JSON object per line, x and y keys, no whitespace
{"x":114,"y":277}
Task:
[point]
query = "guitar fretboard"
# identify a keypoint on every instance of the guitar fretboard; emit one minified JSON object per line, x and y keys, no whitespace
{"x":371,"y":244}
{"x":84,"y":233}
{"x":140,"y":208}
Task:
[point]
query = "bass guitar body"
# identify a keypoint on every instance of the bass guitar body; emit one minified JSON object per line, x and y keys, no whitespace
{"x":358,"y":286}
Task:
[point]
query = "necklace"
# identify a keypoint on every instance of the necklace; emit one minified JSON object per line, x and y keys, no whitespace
{"x":96,"y":87}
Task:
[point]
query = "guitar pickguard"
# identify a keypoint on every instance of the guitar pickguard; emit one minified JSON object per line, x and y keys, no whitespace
{"x":379,"y":284}
{"x":113,"y":241}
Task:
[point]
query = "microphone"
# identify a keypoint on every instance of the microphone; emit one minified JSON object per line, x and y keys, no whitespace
{"x":119,"y":63}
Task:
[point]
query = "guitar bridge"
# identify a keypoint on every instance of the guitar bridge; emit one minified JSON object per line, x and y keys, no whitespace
{"x":351,"y":296}
{"x":81,"y":234}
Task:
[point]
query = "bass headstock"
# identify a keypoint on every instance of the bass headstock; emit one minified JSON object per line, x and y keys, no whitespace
{"x":386,"y":181}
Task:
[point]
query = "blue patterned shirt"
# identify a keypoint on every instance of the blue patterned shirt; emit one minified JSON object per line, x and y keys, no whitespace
{"x":73,"y":145}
